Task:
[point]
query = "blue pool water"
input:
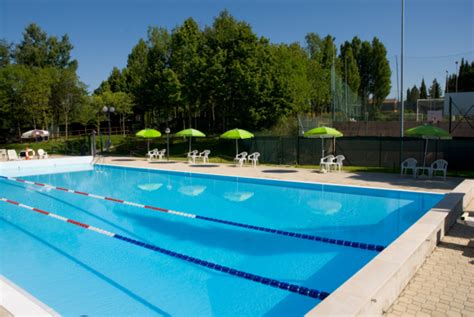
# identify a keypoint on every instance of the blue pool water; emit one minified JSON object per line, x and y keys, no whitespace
{"x":79,"y":272}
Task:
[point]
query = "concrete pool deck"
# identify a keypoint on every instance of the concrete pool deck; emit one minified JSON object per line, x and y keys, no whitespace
{"x":444,"y":285}
{"x":376,"y":180}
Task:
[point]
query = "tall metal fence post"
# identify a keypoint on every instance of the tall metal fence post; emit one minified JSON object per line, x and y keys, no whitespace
{"x":380,"y":152}
{"x":297,"y":150}
{"x":280,"y":143}
{"x":93,"y":143}
{"x":450,"y":112}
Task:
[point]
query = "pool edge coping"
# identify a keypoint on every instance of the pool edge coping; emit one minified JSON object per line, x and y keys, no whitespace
{"x":20,"y":302}
{"x":373,"y":289}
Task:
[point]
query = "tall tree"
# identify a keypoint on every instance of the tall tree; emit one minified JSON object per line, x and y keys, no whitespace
{"x":67,"y":93}
{"x":413,"y":95}
{"x":423,"y":91}
{"x":349,"y":67}
{"x":321,"y":53}
{"x":381,"y":72}
{"x":37,"y":49}
{"x":365,"y":70}
{"x":186,"y":62}
{"x":4,"y":53}
{"x":435,"y":89}
{"x":135,"y":75}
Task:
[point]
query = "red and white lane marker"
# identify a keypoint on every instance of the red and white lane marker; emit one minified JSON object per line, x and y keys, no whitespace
{"x":340,"y":242}
{"x":50,"y":214}
{"x":115,"y":200}
{"x":305,"y":291}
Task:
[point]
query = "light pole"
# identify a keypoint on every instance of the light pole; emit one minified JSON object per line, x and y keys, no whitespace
{"x":447,"y":83}
{"x":457,"y":75}
{"x":402,"y":104}
{"x":167,"y":131}
{"x":108,"y":111}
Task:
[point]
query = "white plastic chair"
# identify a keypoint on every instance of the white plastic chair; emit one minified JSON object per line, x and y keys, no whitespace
{"x":254,"y":158}
{"x":192,"y":156}
{"x":152,"y":154}
{"x":241,"y":158}
{"x":12,"y":156}
{"x":204,"y":155}
{"x":42,"y":154}
{"x":326,"y":162}
{"x":160,"y":154}
{"x":337,"y":162}
{"x":408,"y":164}
{"x":439,"y":166}
{"x":3,"y":154}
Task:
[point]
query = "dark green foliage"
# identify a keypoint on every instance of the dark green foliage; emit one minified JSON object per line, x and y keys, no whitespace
{"x":413,"y":95}
{"x":423,"y":91}
{"x":39,"y":87}
{"x":37,"y":49}
{"x":212,"y":78}
{"x":465,"y":80}
{"x":5,"y":53}
{"x":435,"y":89}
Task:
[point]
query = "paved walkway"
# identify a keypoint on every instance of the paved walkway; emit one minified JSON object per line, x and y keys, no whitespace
{"x":378,"y":180}
{"x":444,"y":285}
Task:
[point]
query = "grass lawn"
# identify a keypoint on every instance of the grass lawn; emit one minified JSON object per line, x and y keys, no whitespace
{"x":222,"y":151}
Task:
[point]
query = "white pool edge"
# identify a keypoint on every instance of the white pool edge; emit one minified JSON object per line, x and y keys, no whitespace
{"x":19,"y":302}
{"x":373,"y":289}
{"x":46,"y":166}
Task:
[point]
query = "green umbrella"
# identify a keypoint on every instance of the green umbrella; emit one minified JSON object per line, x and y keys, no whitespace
{"x":236,"y":134}
{"x":323,"y":133}
{"x":427,"y":132}
{"x":148,"y":134}
{"x":190,"y":133}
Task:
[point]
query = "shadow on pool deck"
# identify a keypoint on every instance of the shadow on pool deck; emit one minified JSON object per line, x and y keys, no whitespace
{"x":280,"y":171}
{"x":204,"y":165}
{"x":407,"y":181}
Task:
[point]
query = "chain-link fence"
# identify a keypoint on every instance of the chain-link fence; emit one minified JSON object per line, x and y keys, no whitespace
{"x":363,"y":151}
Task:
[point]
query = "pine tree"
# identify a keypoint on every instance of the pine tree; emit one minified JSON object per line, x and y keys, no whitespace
{"x":435,"y":89}
{"x":413,"y":95}
{"x":381,"y":72}
{"x":423,"y":92}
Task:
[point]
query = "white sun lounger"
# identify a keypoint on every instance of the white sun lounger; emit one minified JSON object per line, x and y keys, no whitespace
{"x":12,"y":156}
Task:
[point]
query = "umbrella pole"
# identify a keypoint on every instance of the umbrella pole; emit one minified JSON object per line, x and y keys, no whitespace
{"x":148,"y":144}
{"x":322,"y":147}
{"x":236,"y":147}
{"x":189,"y":144}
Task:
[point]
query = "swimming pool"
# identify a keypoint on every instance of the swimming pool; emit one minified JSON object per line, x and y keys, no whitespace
{"x":79,"y":272}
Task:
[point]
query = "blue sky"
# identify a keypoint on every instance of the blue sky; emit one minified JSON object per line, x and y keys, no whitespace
{"x":438,"y":32}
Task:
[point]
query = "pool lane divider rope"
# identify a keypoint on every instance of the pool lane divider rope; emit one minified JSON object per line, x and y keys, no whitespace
{"x":339,"y":242}
{"x":305,"y":291}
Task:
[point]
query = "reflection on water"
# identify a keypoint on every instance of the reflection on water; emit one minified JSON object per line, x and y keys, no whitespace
{"x":192,"y":190}
{"x":238,"y":196}
{"x":325,"y":206}
{"x":150,"y":187}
